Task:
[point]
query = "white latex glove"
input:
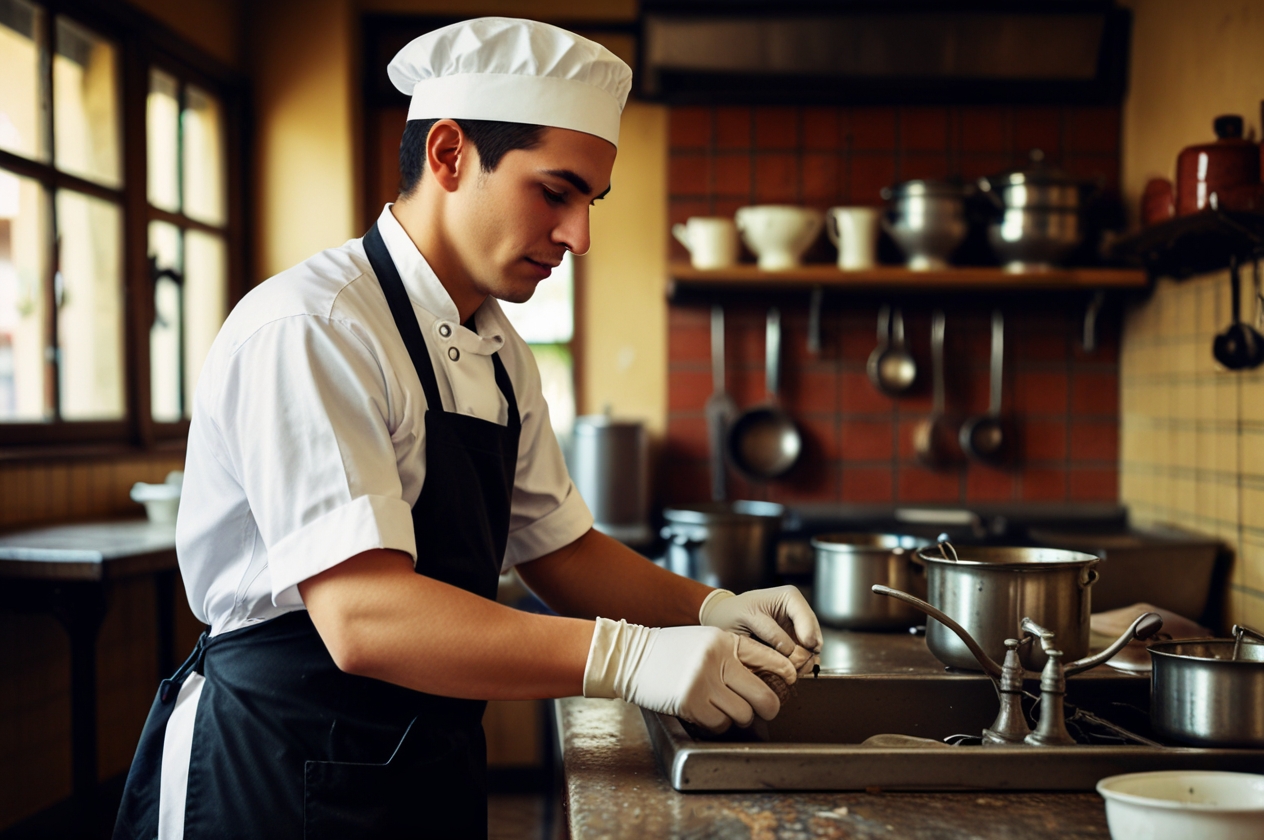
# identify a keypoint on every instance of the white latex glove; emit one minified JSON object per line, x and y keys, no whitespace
{"x":701,"y":674}
{"x":780,"y":617}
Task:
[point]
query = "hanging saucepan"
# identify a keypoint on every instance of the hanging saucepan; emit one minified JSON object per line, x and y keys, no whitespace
{"x":1209,"y":692}
{"x":764,"y":441}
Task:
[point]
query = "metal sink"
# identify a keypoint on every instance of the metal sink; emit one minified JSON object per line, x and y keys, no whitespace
{"x":889,"y":684}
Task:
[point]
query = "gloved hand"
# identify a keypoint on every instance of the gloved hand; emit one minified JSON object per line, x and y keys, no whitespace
{"x":701,"y":674}
{"x":779,"y":617}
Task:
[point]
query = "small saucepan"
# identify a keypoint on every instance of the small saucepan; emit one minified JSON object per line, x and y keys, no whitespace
{"x":764,"y":442}
{"x":1209,"y":692}
{"x":848,"y":565}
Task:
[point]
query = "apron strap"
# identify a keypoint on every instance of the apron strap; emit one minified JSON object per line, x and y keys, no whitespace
{"x":506,"y":388}
{"x":402,"y":311}
{"x":406,"y":321}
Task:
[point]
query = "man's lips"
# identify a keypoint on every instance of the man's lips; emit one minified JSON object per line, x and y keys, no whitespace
{"x":544,"y":268}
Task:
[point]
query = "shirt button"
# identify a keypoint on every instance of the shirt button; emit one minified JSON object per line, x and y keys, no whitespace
{"x":445,"y":330}
{"x":454,"y":353}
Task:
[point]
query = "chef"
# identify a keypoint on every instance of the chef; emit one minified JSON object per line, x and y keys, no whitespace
{"x":370,"y":450}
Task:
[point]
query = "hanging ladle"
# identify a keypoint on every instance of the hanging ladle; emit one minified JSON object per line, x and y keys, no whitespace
{"x":932,"y":439}
{"x":891,"y":367}
{"x":983,"y":437}
{"x":1240,"y":346}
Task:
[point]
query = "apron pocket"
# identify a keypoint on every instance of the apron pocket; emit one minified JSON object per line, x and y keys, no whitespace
{"x":427,"y":789}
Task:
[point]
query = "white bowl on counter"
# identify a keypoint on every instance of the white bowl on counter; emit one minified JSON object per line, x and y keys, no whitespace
{"x":161,"y":501}
{"x":1182,"y":804}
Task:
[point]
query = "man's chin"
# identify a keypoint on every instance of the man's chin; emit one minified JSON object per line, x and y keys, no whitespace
{"x":515,"y":291}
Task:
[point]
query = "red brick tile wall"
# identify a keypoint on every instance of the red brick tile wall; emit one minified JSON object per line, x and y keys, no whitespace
{"x":1063,"y":404}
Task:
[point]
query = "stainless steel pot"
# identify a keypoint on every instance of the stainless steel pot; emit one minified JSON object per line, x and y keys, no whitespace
{"x":848,"y":565}
{"x":726,"y":544}
{"x":990,"y":589}
{"x":927,"y":220}
{"x":1040,"y":215}
{"x":1201,"y":695}
{"x":609,"y":463}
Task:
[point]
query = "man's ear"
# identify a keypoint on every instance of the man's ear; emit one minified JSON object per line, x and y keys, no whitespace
{"x":449,"y":154}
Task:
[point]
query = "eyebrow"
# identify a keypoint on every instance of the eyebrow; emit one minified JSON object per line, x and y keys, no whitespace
{"x":576,"y":181}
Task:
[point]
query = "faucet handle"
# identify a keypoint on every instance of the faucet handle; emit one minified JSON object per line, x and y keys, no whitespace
{"x":1145,"y":626}
{"x":1046,"y":637}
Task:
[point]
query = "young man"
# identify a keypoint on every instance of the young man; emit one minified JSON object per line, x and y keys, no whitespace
{"x":370,"y":449}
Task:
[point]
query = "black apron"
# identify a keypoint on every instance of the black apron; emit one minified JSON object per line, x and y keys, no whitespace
{"x":285,"y":745}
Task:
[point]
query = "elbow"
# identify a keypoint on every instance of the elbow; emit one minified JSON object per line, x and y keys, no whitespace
{"x":346,"y":639}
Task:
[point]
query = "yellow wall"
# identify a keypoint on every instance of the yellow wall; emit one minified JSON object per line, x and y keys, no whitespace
{"x":1191,"y":62}
{"x":625,"y":314}
{"x":303,"y":65}
{"x":1192,"y":435}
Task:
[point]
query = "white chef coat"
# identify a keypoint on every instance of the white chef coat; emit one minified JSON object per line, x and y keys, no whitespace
{"x":307,"y":443}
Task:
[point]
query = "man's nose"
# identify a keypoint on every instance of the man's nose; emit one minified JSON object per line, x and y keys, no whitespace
{"x":573,"y":232}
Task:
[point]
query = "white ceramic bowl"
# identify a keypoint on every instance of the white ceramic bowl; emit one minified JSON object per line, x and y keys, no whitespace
{"x":778,"y":234}
{"x":161,"y":501}
{"x":1184,"y":804}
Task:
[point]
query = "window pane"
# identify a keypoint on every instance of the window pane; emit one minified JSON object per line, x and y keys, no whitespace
{"x":85,"y":103}
{"x":203,"y":156}
{"x":24,"y":238}
{"x":21,"y":82}
{"x":205,"y":298}
{"x":164,"y":333}
{"x":162,"y":119}
{"x":557,"y":380}
{"x":548,"y":318}
{"x":90,"y":313}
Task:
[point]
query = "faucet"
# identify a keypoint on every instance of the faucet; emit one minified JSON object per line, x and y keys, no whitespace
{"x":1010,"y":726}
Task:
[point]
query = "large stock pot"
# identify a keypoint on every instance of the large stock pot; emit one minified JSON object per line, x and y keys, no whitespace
{"x":989,"y":590}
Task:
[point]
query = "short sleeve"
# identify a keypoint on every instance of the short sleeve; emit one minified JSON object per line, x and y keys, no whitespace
{"x":547,"y":511}
{"x":304,"y":413}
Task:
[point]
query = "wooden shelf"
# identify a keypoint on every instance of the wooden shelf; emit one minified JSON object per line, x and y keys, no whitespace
{"x":687,"y":280}
{"x":1195,"y":244}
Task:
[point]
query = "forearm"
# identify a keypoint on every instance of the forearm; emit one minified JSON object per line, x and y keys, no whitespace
{"x":598,"y":576}
{"x":380,"y":619}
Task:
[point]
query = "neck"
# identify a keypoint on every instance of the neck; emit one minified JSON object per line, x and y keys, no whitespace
{"x":429,"y":237}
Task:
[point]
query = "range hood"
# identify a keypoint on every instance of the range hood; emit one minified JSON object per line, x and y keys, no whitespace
{"x":703,"y":52}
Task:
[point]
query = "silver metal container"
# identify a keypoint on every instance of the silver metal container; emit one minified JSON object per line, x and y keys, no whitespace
{"x":989,"y":590}
{"x":731,"y":545}
{"x":1040,"y":216}
{"x":609,"y":465}
{"x":1034,"y":238}
{"x":927,"y":220}
{"x":1200,"y":695}
{"x":847,"y":565}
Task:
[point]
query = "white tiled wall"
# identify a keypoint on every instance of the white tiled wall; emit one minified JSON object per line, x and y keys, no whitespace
{"x":1192,"y":433}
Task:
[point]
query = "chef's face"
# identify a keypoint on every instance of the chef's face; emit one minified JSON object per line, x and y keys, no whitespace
{"x":517,"y":221}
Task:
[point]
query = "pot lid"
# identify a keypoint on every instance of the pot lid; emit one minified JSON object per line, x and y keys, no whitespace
{"x":925,"y":188}
{"x":1038,"y":174}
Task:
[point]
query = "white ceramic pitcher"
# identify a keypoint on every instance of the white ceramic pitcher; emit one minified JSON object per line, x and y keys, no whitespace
{"x":854,"y":231}
{"x":710,"y":240}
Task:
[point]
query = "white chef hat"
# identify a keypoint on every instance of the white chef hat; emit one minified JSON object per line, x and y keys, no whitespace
{"x":513,"y":70}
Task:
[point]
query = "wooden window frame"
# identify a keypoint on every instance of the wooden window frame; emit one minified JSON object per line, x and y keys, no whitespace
{"x":143,"y":43}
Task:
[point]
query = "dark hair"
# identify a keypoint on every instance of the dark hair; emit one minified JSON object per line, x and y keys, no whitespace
{"x":492,"y":139}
